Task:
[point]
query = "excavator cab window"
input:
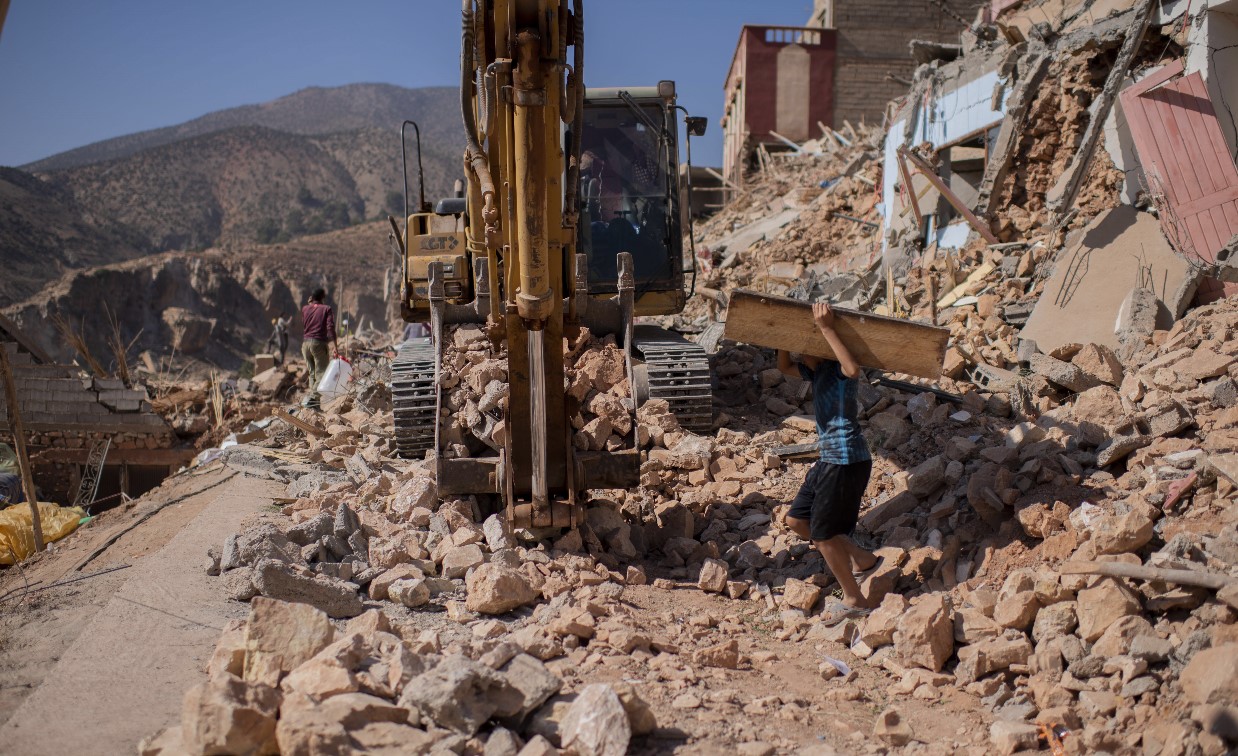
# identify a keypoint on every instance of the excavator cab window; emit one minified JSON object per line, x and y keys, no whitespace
{"x":628,"y":192}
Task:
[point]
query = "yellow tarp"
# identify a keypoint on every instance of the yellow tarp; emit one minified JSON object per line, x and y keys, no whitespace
{"x":17,"y":532}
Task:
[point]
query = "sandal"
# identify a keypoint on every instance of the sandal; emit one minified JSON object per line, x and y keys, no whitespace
{"x":862,"y":575}
{"x":837,"y":611}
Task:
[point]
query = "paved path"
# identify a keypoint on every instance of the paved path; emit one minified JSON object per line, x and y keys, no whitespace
{"x":125,"y":675}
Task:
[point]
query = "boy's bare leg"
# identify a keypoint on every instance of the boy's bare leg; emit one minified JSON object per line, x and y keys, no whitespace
{"x":838,"y":559}
{"x":861,"y":559}
{"x":799,"y":527}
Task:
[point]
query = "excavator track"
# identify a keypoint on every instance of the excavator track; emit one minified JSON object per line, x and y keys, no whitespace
{"x":678,"y":371}
{"x":414,"y":397}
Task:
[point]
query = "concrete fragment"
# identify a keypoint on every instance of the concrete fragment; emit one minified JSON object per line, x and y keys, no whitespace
{"x":714,"y":575}
{"x":280,"y":636}
{"x":459,"y":560}
{"x":457,"y":694}
{"x":1102,"y":605}
{"x":1212,"y":675}
{"x":597,"y":724}
{"x":532,"y":681}
{"x":925,"y":635}
{"x":1009,"y":737}
{"x":411,"y":593}
{"x":495,"y":589}
{"x":335,"y":597}
{"x":724,"y":655}
{"x":229,"y":715}
{"x":1100,"y":363}
{"x":799,"y":594}
{"x":892,"y":729}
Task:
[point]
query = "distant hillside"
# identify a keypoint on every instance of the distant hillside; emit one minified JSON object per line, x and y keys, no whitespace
{"x":45,"y":232}
{"x":316,"y":110}
{"x":232,"y":293}
{"x":314,"y":161}
{"x":242,"y":184}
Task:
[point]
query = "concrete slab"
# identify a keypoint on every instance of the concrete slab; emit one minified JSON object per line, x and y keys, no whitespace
{"x":766,"y":228}
{"x":125,"y":675}
{"x":1092,"y":275}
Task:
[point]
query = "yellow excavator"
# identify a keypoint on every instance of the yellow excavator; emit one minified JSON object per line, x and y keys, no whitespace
{"x":571,"y":219}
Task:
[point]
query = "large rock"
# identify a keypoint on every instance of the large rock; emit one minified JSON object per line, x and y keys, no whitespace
{"x":419,"y":493}
{"x":1099,"y":362}
{"x":597,"y":724}
{"x":1212,"y":675}
{"x":496,"y":589}
{"x":799,"y":594}
{"x":1121,"y":534}
{"x":1009,"y":736}
{"x":1103,"y":604}
{"x":925,"y":635}
{"x":927,"y":477}
{"x":411,"y":593}
{"x":263,"y":541}
{"x":280,"y":636}
{"x":458,"y":694}
{"x":724,"y":655}
{"x":713,"y":577}
{"x":534,"y":683}
{"x":879,"y":627}
{"x":992,"y":655}
{"x":458,"y":561}
{"x":277,"y":580}
{"x":229,"y":715}
{"x":310,"y":728}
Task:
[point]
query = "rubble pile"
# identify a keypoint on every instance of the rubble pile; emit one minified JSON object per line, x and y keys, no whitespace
{"x":806,"y":219}
{"x":286,"y":681}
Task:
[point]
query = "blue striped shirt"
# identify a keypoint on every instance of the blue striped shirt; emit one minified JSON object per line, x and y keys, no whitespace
{"x":839,"y":438}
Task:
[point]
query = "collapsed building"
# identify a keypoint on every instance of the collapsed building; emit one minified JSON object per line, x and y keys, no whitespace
{"x":85,"y":428}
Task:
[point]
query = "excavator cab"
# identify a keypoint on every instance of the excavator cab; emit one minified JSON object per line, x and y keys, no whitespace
{"x":629,"y":194}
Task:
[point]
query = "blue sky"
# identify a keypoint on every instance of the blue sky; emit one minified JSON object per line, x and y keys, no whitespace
{"x":77,"y":71}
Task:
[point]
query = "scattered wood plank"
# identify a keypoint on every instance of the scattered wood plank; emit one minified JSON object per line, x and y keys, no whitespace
{"x":1142,"y":572}
{"x":953,"y":295}
{"x":19,"y":445}
{"x":927,"y":171}
{"x":313,"y":430}
{"x":890,"y":344}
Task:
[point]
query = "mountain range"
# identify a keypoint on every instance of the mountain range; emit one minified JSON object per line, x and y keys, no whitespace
{"x":313,"y":161}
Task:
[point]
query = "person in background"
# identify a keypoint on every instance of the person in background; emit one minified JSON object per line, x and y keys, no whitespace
{"x":278,"y":343}
{"x":319,"y":321}
{"x":827,"y":507}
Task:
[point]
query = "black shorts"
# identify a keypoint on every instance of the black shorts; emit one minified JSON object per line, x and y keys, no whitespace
{"x":830,"y":498}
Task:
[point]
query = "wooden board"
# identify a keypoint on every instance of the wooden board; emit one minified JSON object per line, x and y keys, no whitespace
{"x":891,"y":344}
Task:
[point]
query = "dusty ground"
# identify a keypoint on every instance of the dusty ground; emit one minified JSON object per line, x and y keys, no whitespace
{"x":120,"y":647}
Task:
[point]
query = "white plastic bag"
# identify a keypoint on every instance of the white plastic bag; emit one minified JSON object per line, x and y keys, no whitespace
{"x":335,"y":381}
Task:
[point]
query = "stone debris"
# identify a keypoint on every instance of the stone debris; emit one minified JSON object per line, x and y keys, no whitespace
{"x":999,"y":494}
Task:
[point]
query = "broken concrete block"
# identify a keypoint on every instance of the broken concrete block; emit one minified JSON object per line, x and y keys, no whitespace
{"x":714,"y":575}
{"x":1212,"y":675}
{"x":925,"y":635}
{"x":1099,"y":362}
{"x":1064,"y":374}
{"x":496,"y":589}
{"x":597,"y":724}
{"x":280,"y":636}
{"x":1009,"y":736}
{"x":457,"y":694}
{"x":229,"y":715}
{"x":277,"y":580}
{"x":1102,"y":605}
